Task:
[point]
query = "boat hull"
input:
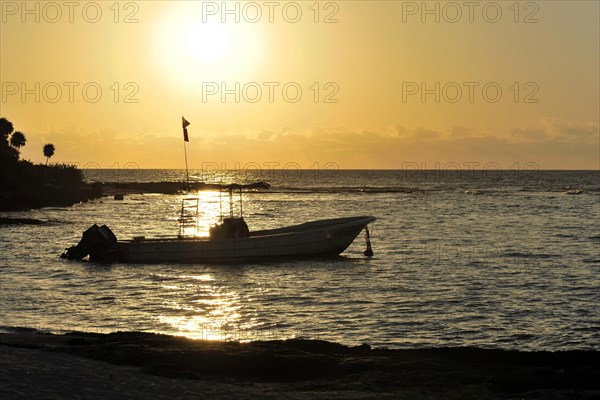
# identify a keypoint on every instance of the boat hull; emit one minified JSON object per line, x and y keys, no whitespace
{"x":318,"y":238}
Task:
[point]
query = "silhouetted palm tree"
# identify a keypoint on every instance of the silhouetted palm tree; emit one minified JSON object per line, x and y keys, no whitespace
{"x":18,"y":140}
{"x":6,"y":128}
{"x":48,"y":151}
{"x":8,"y":154}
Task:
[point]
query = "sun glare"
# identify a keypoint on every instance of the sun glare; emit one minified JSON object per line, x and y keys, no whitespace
{"x":189,"y":51}
{"x":207,"y":43}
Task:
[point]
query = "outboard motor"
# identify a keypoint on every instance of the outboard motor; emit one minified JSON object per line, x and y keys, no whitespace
{"x":95,"y":242}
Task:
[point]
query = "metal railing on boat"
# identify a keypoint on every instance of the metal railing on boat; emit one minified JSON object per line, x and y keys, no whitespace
{"x":188,"y":219}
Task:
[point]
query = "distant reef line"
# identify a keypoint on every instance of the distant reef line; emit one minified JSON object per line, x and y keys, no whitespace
{"x":20,"y":221}
{"x":48,"y":187}
{"x":166,"y":187}
{"x":172,"y":187}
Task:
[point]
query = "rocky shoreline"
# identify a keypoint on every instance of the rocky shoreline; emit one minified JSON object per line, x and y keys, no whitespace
{"x":49,"y":196}
{"x":29,"y":186}
{"x":293,"y":368}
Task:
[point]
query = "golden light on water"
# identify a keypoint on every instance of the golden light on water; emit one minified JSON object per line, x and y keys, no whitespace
{"x":204,"y":310}
{"x":211,"y":314}
{"x":203,"y":277}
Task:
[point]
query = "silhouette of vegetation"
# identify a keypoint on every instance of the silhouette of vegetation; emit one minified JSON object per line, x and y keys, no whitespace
{"x":26,"y":185}
{"x":48,"y":151}
{"x":8,"y":153}
{"x":18,"y":140}
{"x":6,"y":128}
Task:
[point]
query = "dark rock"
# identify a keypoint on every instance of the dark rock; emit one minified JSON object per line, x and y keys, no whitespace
{"x":20,"y":221}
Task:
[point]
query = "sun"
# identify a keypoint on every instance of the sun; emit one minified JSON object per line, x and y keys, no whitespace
{"x":189,"y":51}
{"x":206,"y":43}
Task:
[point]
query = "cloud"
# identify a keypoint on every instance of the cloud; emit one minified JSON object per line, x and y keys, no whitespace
{"x":555,"y":144}
{"x":266,"y":135}
{"x":426,"y":134}
{"x":461,"y":132}
{"x":401,"y":130}
{"x":576,"y":131}
{"x":529,"y":134}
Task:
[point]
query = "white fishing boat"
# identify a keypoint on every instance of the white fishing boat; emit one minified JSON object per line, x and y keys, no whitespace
{"x":229,"y":240}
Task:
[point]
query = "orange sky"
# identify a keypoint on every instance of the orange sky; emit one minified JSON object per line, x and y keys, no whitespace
{"x":361,"y":84}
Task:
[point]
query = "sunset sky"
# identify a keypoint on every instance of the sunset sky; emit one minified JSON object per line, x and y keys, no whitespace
{"x":383,"y":84}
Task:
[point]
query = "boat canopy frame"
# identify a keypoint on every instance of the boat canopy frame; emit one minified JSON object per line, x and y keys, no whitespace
{"x":190,"y":210}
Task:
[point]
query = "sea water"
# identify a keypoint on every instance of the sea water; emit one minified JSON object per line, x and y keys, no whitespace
{"x":500,"y":259}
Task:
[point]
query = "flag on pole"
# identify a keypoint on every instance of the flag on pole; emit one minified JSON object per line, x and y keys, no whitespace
{"x":185,"y":124}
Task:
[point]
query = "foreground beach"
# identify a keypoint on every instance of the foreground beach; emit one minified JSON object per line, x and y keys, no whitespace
{"x":143,"y":365}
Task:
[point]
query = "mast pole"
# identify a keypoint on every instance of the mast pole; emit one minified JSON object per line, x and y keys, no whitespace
{"x":230,"y":202}
{"x":184,"y":125}
{"x":221,"y":203}
{"x":241,"y":205}
{"x":187,"y":175}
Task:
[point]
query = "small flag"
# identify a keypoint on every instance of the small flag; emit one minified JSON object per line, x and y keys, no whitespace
{"x":185,"y":124}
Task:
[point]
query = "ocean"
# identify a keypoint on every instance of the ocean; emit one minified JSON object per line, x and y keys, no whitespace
{"x":493,"y":259}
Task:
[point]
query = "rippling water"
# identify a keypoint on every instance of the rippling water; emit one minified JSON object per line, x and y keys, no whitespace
{"x":515,"y":266}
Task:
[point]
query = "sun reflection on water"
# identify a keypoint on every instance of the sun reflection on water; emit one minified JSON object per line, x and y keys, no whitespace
{"x":210,"y":312}
{"x":203,"y":277}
